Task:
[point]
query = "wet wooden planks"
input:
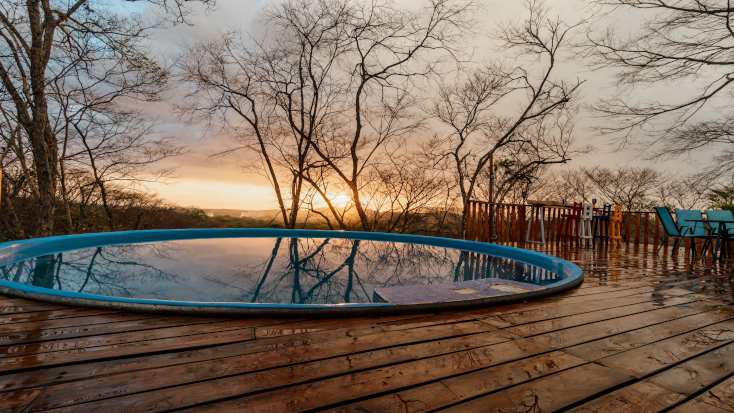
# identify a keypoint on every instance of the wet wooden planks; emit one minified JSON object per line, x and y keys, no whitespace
{"x":644,"y":333}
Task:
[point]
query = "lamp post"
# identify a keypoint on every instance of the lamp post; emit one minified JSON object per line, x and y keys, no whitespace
{"x":491,"y":178}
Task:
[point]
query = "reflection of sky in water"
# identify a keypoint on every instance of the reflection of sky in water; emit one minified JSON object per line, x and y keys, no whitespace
{"x":263,"y":270}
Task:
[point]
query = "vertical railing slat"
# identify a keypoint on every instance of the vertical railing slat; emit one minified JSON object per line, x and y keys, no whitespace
{"x":467,"y":230}
{"x":497,"y":222}
{"x":513,"y":224}
{"x":518,"y":231}
{"x":521,"y":215}
{"x":468,"y":220}
{"x":475,"y":225}
{"x":480,"y":222}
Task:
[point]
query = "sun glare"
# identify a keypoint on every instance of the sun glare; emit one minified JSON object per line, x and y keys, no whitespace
{"x":341,"y":200}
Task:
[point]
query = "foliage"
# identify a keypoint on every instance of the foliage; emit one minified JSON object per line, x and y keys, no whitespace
{"x":722,"y":198}
{"x":195,"y":214}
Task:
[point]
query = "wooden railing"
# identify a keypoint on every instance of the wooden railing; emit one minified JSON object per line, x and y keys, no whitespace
{"x":508,"y":223}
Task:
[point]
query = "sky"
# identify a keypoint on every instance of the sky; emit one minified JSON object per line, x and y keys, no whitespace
{"x":209,"y":182}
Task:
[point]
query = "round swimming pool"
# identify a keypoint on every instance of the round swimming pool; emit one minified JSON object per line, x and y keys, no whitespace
{"x":271,"y":272}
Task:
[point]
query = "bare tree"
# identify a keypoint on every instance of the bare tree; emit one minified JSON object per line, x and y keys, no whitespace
{"x":573,"y":183}
{"x":118,"y":146}
{"x":403,"y":191}
{"x":632,"y":188}
{"x":332,"y":78}
{"x":674,"y":43}
{"x":683,"y":192}
{"x":43,"y":41}
{"x":538,"y":134}
{"x":259,"y":95}
{"x":11,"y":185}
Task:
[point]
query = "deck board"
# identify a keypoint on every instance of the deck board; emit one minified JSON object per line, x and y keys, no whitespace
{"x":645,"y":332}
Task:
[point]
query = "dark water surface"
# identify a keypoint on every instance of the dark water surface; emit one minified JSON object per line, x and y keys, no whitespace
{"x":262,"y":270}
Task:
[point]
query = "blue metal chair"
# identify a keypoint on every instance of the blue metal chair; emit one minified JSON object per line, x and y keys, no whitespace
{"x":601,"y":223}
{"x":728,"y":228}
{"x":689,"y":229}
{"x":671,"y":230}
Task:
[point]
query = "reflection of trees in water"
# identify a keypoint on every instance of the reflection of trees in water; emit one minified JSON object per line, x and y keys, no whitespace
{"x":302,"y":271}
{"x":476,"y":266}
{"x":306,"y":271}
{"x":297,"y":270}
{"x":119,"y":271}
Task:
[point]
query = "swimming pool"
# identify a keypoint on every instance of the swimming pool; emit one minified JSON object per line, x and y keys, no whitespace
{"x":271,"y":272}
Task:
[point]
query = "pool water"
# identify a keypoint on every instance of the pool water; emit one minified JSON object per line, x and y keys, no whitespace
{"x":264,"y":270}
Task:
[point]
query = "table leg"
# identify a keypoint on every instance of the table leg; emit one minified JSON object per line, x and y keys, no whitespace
{"x":718,"y":239}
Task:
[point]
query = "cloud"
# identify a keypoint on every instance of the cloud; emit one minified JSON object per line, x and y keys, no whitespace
{"x":221,"y":184}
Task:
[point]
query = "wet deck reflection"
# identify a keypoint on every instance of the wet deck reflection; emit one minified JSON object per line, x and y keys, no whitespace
{"x":644,"y":333}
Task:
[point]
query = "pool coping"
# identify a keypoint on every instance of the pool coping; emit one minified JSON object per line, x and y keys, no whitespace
{"x":16,"y":251}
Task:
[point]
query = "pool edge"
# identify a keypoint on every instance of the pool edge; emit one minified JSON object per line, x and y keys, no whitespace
{"x":37,"y":247}
{"x":266,"y":310}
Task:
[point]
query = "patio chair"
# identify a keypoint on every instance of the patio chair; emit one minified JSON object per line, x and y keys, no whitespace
{"x":671,"y":229}
{"x":615,"y":224}
{"x":601,"y":223}
{"x":572,"y":222}
{"x":585,"y":222}
{"x":690,"y":229}
{"x":728,"y":228}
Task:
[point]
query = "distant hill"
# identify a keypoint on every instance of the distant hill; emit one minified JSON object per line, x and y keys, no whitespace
{"x":273,"y":214}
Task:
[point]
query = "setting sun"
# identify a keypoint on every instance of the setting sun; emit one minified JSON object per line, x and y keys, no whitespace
{"x":341,"y":200}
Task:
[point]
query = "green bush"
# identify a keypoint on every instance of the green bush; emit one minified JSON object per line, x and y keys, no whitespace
{"x":195,"y":213}
{"x":722,"y":198}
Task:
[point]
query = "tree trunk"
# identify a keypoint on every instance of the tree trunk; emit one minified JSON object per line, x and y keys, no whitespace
{"x":62,"y":175}
{"x":107,"y":210}
{"x":358,"y":206}
{"x":43,"y":272}
{"x":47,"y":202}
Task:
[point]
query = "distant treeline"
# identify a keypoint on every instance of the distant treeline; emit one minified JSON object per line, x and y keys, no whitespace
{"x":147,"y":213}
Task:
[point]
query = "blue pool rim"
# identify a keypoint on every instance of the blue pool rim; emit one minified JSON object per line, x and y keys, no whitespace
{"x":11,"y":252}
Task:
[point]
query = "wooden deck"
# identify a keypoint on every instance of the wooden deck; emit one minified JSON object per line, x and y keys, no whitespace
{"x":643,"y":333}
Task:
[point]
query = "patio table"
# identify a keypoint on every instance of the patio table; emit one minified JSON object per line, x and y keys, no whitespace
{"x":722,"y":228}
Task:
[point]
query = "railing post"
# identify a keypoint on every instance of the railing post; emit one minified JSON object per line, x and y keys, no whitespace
{"x":522,"y":223}
{"x":512,"y":224}
{"x":467,"y":230}
{"x":473,"y":223}
{"x":497,"y":223}
{"x":501,"y":225}
{"x":480,"y":210}
{"x":490,"y":217}
{"x":485,"y":223}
